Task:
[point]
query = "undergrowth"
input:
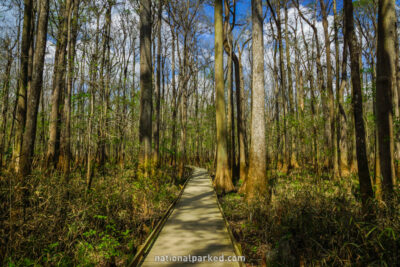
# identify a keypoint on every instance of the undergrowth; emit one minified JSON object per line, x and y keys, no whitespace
{"x":65,"y":225}
{"x":314,"y":222}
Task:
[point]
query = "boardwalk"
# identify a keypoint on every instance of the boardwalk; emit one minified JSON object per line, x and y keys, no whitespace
{"x":195,"y":228}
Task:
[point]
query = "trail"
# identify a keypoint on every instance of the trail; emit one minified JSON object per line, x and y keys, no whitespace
{"x":195,"y":227}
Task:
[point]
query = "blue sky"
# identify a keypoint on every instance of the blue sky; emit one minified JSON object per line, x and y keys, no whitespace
{"x":243,"y":10}
{"x":243,"y":7}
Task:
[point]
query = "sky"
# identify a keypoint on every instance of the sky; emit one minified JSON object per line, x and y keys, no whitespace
{"x":243,"y":11}
{"x":243,"y":7}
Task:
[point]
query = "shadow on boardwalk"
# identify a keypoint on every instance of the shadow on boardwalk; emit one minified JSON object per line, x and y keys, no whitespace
{"x":195,"y":228}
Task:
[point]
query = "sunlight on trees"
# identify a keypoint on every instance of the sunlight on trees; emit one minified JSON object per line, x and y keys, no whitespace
{"x":292,"y":106}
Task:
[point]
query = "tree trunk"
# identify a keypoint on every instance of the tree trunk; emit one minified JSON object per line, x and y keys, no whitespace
{"x":341,"y":129}
{"x":384,"y":88}
{"x":397,"y":90}
{"x":29,"y":137}
{"x":283,"y":86}
{"x":92,"y":92}
{"x":241,"y":120}
{"x":158,"y":87}
{"x":22,"y":82}
{"x":377,"y":181}
{"x":4,"y":108}
{"x":223,"y":178}
{"x":292,"y":161}
{"x":278,"y":151}
{"x":331,"y":100}
{"x":58,"y":88}
{"x":256,"y":183}
{"x":174,"y":100}
{"x":65,"y":147}
{"x":336,"y":145}
{"x":230,"y":110}
{"x":362,"y":160}
{"x":146,"y":90}
{"x":183,"y":91}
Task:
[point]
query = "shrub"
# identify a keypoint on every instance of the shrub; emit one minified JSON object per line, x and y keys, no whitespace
{"x":314,"y":222}
{"x":66,"y":225}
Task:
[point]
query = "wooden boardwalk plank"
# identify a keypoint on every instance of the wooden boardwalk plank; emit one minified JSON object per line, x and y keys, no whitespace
{"x":195,"y":228}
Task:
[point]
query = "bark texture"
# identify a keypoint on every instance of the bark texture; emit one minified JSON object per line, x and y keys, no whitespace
{"x":146,"y":90}
{"x":385,"y":82}
{"x":35,"y":91}
{"x":53,"y":146}
{"x":223,"y":177}
{"x":361,"y":149}
{"x":20,"y":117}
{"x":256,"y":183}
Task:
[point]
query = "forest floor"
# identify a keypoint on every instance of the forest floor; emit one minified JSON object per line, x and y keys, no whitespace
{"x":310,"y":221}
{"x":314,"y":221}
{"x":66,"y":225}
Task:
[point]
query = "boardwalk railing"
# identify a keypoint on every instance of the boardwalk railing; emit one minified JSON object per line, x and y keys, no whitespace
{"x":236,"y":246}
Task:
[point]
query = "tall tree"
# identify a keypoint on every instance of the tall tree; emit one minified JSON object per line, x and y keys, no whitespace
{"x":65,"y":148}
{"x":174,"y":97}
{"x":158,"y":85}
{"x":228,"y":43}
{"x":104,"y":88}
{"x":6,"y":88}
{"x":23,"y":82}
{"x":292,"y":161}
{"x":283,"y":85}
{"x":223,"y":177}
{"x":256,"y":183}
{"x":94,"y":61}
{"x":329,"y":84}
{"x":241,"y":121}
{"x":385,"y":82}
{"x":53,"y":146}
{"x":146,"y":90}
{"x":34,"y":92}
{"x":341,"y":127}
{"x":361,"y":149}
{"x":340,"y":84}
